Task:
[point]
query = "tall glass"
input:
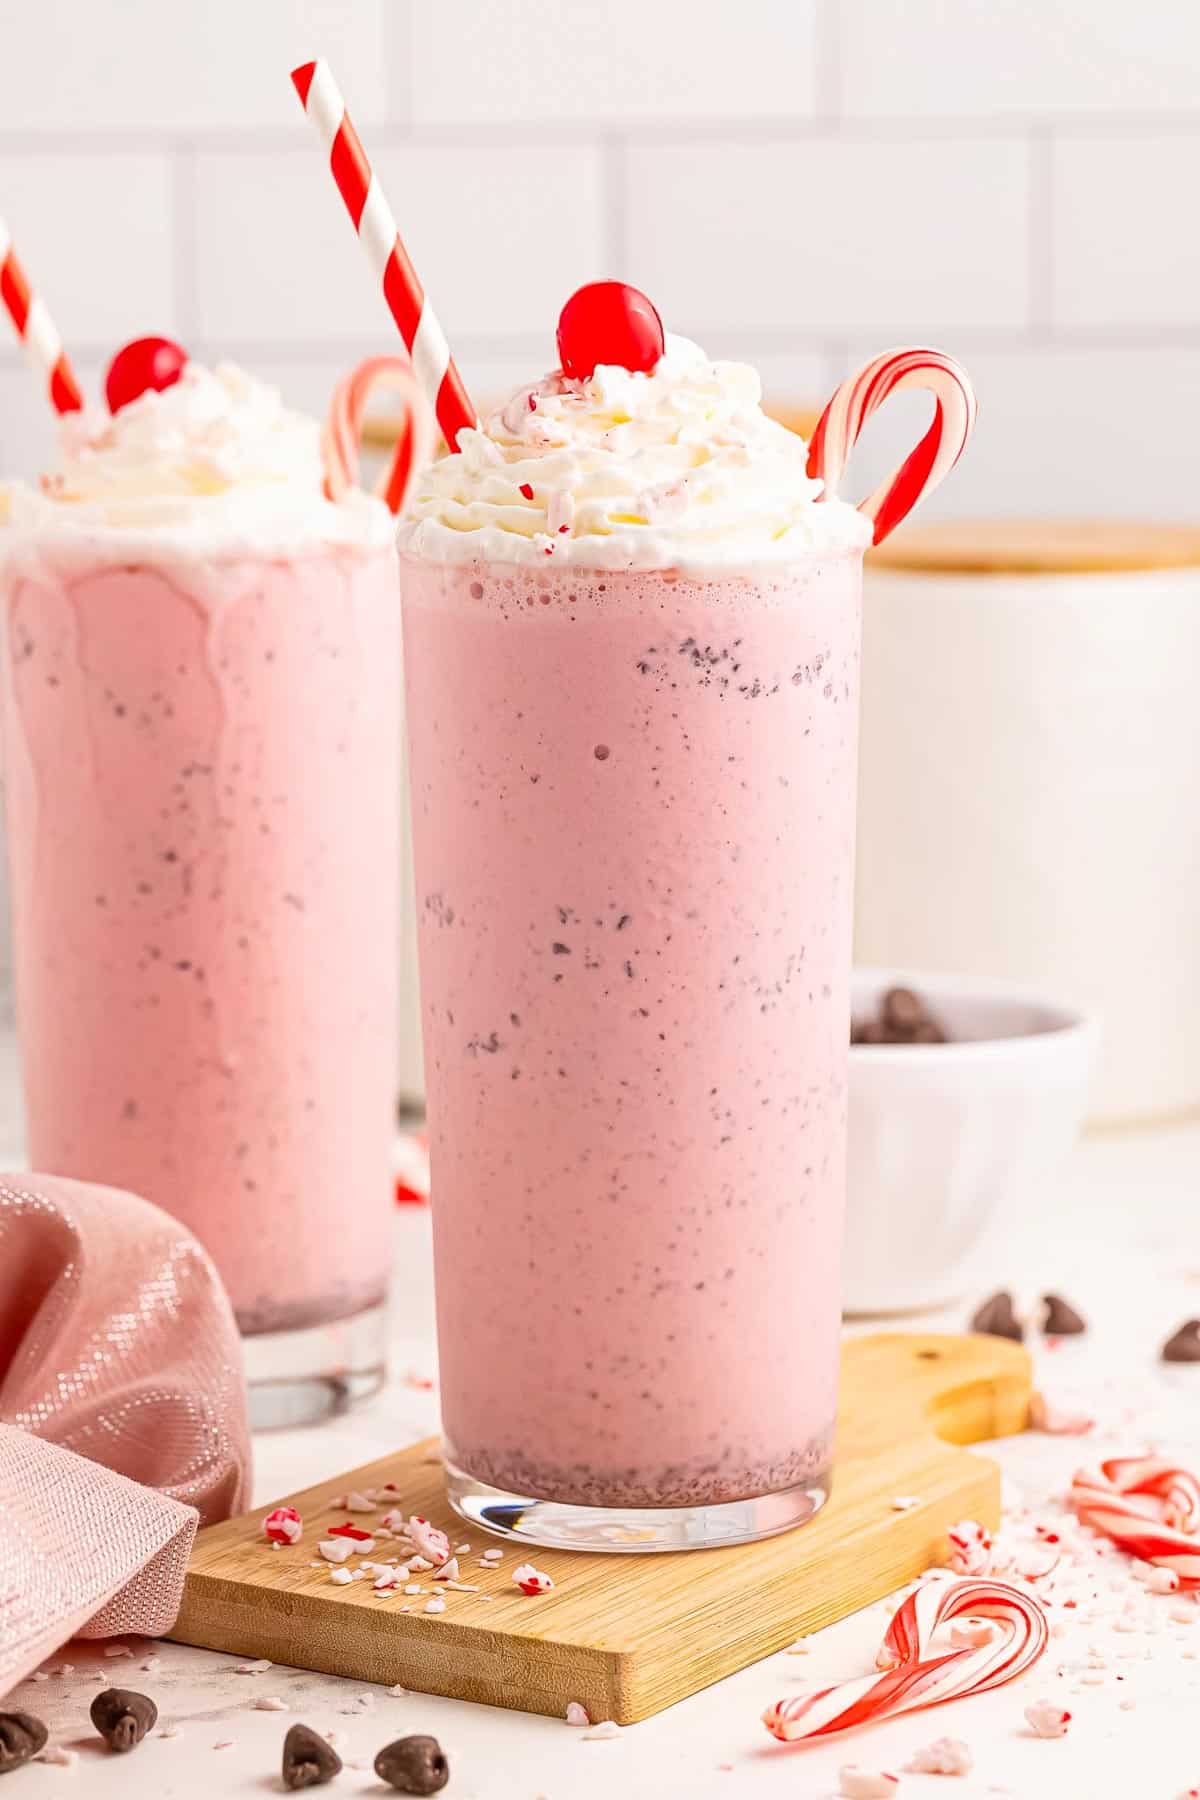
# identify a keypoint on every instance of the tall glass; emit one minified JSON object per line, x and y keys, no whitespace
{"x":633,"y":813}
{"x":200,"y":752}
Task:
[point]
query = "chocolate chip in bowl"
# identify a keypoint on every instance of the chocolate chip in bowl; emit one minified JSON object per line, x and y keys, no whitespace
{"x":903,"y":1018}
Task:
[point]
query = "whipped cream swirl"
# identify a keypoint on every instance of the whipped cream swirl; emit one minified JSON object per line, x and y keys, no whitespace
{"x":676,"y":467}
{"x":215,"y":457}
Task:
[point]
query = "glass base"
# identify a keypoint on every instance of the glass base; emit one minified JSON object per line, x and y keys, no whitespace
{"x":632,"y":1531}
{"x":302,"y":1377}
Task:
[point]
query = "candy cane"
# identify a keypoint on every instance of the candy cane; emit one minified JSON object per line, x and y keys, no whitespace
{"x":913,"y":1678}
{"x":1164,"y":1534}
{"x":341,"y":434}
{"x":853,"y":404}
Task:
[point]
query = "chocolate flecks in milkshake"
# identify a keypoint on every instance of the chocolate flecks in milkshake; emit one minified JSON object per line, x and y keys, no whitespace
{"x":625,"y":920}
{"x":439,"y":909}
{"x":601,"y":752}
{"x":488,"y":1045}
{"x":559,"y":949}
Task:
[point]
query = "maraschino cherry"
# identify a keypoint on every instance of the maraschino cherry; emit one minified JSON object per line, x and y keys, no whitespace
{"x":608,"y":322}
{"x":149,"y":362}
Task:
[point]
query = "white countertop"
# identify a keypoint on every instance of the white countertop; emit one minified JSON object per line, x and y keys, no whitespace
{"x":1121,"y":1240}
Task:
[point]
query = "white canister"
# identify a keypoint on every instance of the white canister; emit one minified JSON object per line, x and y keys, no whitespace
{"x":1030,"y":792}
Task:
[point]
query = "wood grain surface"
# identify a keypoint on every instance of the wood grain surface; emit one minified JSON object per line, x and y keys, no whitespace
{"x":628,"y":1636}
{"x":1039,"y":547}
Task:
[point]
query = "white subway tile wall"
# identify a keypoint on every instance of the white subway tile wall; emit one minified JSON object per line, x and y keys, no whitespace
{"x":798,"y":183}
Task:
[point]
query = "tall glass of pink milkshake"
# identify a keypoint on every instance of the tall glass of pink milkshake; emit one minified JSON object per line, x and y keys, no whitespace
{"x":632,"y":653}
{"x":200,"y":673}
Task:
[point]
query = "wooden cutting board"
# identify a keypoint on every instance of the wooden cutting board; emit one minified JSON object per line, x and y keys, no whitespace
{"x":629,"y":1635}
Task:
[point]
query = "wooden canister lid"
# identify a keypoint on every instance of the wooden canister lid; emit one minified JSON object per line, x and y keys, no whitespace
{"x":1039,"y":547}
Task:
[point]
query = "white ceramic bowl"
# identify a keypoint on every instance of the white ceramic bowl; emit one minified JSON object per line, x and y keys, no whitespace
{"x":947,"y":1140}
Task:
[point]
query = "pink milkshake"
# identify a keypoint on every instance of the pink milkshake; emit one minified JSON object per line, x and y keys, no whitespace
{"x":200,"y":674}
{"x":632,"y":645}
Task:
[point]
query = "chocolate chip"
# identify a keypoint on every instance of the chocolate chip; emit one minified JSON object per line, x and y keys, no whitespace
{"x":903,"y":1018}
{"x":308,"y":1761}
{"x":902,"y":1009}
{"x":122,"y":1717}
{"x":21,"y":1736}
{"x":996,"y":1318}
{"x":413,"y":1765}
{"x":1061,"y":1319}
{"x":1183,"y":1346}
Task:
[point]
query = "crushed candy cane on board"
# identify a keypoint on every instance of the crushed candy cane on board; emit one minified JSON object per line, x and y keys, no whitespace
{"x":428,"y":1539}
{"x":577,"y":1714}
{"x":354,"y":1532}
{"x":531,"y":1580}
{"x":606,"y":1728}
{"x":336,"y":1550}
{"x":283,"y":1526}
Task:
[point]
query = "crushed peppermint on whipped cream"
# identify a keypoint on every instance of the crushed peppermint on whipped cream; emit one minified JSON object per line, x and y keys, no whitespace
{"x":215,"y":457}
{"x":675,"y":466}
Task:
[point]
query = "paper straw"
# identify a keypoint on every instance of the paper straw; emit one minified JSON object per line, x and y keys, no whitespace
{"x":375,"y":224}
{"x":36,"y":330}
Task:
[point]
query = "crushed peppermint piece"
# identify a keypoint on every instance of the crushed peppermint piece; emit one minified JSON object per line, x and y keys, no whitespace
{"x":255,"y":1668}
{"x":398,"y":1692}
{"x":343,"y":1577}
{"x":365,"y":1540}
{"x":336,"y":1550}
{"x":414,"y":1587}
{"x":449,"y":1571}
{"x":40,"y":1675}
{"x":577,"y":1714}
{"x":1047,"y":1720}
{"x":531,"y":1580}
{"x":857,"y":1783}
{"x":168,"y":1731}
{"x":117,"y":1650}
{"x":905,"y":1502}
{"x":224,"y":1744}
{"x":945,"y":1756}
{"x":436,"y":1605}
{"x":59,"y":1755}
{"x":1161,"y":1581}
{"x":607,"y":1728}
{"x":1057,"y":1421}
{"x":283,"y":1526}
{"x":492,"y":1555}
{"x":428,"y":1540}
{"x":270,"y":1703}
{"x":971,"y":1633}
{"x":970,"y":1548}
{"x":462,"y":1587}
{"x":421,"y":1562}
{"x":462,"y":1549}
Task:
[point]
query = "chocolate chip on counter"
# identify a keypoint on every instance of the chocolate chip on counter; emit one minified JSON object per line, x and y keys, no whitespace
{"x":308,"y":1761}
{"x":997,"y":1318}
{"x":122,"y":1717}
{"x":1060,"y":1318}
{"x":1183,"y":1346}
{"x":21,"y":1737}
{"x":413,"y":1765}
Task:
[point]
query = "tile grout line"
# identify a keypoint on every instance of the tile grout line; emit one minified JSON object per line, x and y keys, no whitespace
{"x":1041,"y":235}
{"x":614,"y":206}
{"x":185,"y":234}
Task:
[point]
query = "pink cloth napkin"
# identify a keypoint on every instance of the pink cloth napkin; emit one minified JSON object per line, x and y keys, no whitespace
{"x":122,"y":1414}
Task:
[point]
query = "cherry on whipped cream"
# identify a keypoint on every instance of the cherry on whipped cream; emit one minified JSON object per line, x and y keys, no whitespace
{"x":149,"y":362}
{"x":608,"y":322}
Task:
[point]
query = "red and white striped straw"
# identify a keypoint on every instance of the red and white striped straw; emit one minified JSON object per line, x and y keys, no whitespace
{"x":36,"y":330}
{"x":375,"y":224}
{"x":863,"y":394}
